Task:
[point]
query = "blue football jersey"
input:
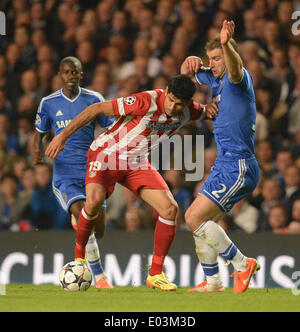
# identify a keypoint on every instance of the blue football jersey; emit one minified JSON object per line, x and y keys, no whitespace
{"x":234,"y":127}
{"x":55,"y":112}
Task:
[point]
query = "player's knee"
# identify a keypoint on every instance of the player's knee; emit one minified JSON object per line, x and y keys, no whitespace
{"x":169,"y":211}
{"x":193,"y":219}
{"x":94,"y":202}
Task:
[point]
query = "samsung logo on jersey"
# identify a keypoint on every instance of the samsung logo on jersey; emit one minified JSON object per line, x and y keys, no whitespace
{"x":62,"y":124}
{"x":156,"y":126}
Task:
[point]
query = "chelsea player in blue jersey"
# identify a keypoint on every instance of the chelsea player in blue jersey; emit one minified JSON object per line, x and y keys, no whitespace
{"x":55,"y":112}
{"x":235,"y":173}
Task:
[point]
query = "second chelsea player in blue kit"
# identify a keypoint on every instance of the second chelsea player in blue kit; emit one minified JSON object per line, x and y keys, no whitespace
{"x":235,"y":173}
{"x":55,"y":112}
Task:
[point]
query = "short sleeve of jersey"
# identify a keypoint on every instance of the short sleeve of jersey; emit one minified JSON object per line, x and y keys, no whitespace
{"x":42,"y":120}
{"x":137,"y":104}
{"x":204,"y":76}
{"x":246,"y":81}
{"x":196,"y":111}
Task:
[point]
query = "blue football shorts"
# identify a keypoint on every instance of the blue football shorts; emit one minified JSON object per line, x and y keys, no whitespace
{"x":68,"y":191}
{"x":231,"y":181}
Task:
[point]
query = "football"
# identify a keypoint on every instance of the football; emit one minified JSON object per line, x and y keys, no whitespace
{"x":75,"y":276}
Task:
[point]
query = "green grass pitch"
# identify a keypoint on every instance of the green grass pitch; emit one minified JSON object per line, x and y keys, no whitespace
{"x":50,"y":298}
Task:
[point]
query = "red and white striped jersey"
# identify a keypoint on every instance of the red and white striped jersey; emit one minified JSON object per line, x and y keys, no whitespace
{"x":141,"y":124}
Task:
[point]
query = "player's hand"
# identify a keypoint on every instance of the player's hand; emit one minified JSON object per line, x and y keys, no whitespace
{"x":55,"y":146}
{"x":211,"y":110}
{"x":227,"y":32}
{"x":191,"y":65}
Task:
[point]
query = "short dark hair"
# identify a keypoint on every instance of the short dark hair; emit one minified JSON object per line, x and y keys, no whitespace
{"x":71,"y":59}
{"x":182,"y":87}
{"x":216,"y":43}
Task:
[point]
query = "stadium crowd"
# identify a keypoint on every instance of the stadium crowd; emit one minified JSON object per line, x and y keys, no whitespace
{"x":127,"y":46}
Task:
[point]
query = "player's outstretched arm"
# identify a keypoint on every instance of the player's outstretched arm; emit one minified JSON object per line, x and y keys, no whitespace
{"x":190,"y":66}
{"x":232,"y":59}
{"x":82,"y":119}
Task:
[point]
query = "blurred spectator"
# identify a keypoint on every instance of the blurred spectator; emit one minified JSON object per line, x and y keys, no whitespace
{"x":102,"y":83}
{"x":114,"y":58}
{"x":169,"y":66}
{"x":19,"y":164}
{"x":46,"y":212}
{"x":159,"y":42}
{"x":261,"y":127}
{"x":160,"y":82}
{"x":38,"y":38}
{"x":145,"y":23}
{"x":3,"y":72}
{"x":5,"y":106}
{"x":277,"y":219}
{"x":22,"y":39}
{"x":141,"y":48}
{"x":283,"y":160}
{"x":30,"y":85}
{"x":11,"y":140}
{"x":271,"y":194}
{"x":38,"y":15}
{"x":45,"y":73}
{"x":165,"y":15}
{"x":192,"y":25}
{"x":292,"y":188}
{"x":25,"y":130}
{"x":249,"y":17}
{"x":11,"y":205}
{"x":265,"y":157}
{"x":280,"y":66}
{"x":293,"y":112}
{"x":86,"y":54}
{"x":294,"y":225}
{"x":245,"y":216}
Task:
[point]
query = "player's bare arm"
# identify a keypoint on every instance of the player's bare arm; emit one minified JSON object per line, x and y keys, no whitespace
{"x":39,"y":142}
{"x":232,"y":59}
{"x":82,"y":119}
{"x":190,"y":66}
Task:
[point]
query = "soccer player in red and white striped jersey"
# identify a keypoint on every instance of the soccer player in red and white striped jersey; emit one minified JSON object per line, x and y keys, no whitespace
{"x":120,"y":155}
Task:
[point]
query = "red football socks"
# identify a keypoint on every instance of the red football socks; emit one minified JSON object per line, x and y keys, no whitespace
{"x":163,"y":237}
{"x":86,"y":223}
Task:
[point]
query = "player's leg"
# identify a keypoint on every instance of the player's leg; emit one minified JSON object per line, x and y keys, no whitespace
{"x":214,"y":199}
{"x":201,"y":218}
{"x":92,"y":249}
{"x":208,"y":258}
{"x":164,"y":203}
{"x":151,"y":187}
{"x":88,"y":217}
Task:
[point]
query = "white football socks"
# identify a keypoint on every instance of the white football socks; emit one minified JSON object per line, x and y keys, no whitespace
{"x":215,"y":237}
{"x":93,"y":257}
{"x":208,"y":257}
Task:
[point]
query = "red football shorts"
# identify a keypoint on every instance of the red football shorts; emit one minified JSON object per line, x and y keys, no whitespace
{"x":144,"y":176}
